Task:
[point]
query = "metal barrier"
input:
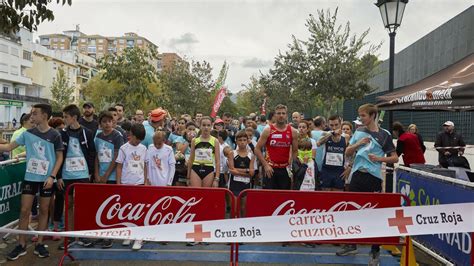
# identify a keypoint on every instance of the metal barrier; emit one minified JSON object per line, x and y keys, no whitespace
{"x":148,"y":205}
{"x":286,"y":202}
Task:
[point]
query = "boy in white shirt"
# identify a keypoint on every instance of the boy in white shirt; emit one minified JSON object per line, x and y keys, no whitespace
{"x":160,"y":162}
{"x":131,"y":168}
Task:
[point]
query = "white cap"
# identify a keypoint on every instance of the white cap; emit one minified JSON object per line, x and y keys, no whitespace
{"x":357,"y":121}
{"x":448,"y":123}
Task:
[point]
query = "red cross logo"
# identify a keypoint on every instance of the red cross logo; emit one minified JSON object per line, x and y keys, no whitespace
{"x":400,"y":221}
{"x":198,"y":235}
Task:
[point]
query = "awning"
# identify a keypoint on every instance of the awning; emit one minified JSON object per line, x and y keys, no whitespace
{"x":451,"y":89}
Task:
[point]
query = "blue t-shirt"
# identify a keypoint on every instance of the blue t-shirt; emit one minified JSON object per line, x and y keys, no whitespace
{"x":316,"y":135}
{"x":75,"y":164}
{"x":150,"y":131}
{"x":260,"y":129}
{"x":41,"y":151}
{"x":381,"y":143}
{"x":106,"y":146}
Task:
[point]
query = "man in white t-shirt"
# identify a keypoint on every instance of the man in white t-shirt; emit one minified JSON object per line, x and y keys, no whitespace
{"x":131,"y":165}
{"x":160,"y":161}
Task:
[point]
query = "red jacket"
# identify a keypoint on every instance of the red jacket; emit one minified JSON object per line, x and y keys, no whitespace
{"x":409,"y":145}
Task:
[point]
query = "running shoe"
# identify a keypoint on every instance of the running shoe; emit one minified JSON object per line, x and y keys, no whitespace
{"x":137,"y":245}
{"x":191,"y":244}
{"x":347,"y":250}
{"x":85,"y":242}
{"x":126,"y":242}
{"x":17,"y":252}
{"x":107,"y":243}
{"x":41,"y":251}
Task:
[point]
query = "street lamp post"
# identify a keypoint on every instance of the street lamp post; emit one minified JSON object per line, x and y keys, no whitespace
{"x":392,"y":15}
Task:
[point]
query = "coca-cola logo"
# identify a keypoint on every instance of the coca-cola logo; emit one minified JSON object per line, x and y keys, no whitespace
{"x":160,"y":212}
{"x":288,"y":208}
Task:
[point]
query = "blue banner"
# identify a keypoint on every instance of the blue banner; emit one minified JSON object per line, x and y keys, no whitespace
{"x":425,"y":190}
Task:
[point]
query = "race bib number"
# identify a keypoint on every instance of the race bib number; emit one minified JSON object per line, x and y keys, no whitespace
{"x":242,"y":179}
{"x":38,"y":167}
{"x":204,"y":155}
{"x":75,"y":164}
{"x":105,"y":156}
{"x":136,"y":167}
{"x":334,"y":159}
{"x":309,"y":183}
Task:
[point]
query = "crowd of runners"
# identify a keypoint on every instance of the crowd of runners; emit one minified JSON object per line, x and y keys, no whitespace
{"x":154,"y":148}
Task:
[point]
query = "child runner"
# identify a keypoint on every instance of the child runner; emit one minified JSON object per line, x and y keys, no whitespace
{"x":107,"y":145}
{"x":160,"y":162}
{"x":241,"y":164}
{"x":205,"y":156}
{"x":79,"y":156}
{"x":221,"y":136}
{"x":44,"y":156}
{"x":131,"y":165}
{"x":306,"y":153}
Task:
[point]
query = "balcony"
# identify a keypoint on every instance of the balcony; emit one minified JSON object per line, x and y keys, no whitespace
{"x":24,"y":98}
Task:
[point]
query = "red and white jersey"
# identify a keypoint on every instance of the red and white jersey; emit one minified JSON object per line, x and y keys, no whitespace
{"x":278,"y":146}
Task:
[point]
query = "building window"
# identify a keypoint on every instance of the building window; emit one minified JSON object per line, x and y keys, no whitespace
{"x":100,"y":40}
{"x":3,"y":68}
{"x":55,"y":47}
{"x":17,"y":91}
{"x":55,"y":39}
{"x":44,"y":41}
{"x":92,"y":42}
{"x":5,"y":89}
{"x":62,"y":47}
{"x":83,"y":40}
{"x":27,"y":55}
{"x":91,"y":49}
{"x":4,"y":48}
{"x":63,"y":40}
{"x":121,"y":41}
{"x":130,"y":43}
{"x":139,"y":41}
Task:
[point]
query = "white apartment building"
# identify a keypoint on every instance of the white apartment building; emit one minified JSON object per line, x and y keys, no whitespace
{"x":17,"y":92}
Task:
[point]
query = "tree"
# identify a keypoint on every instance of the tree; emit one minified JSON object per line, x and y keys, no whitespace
{"x":251,"y":98}
{"x":133,"y":70}
{"x":61,"y":91}
{"x":328,"y":67}
{"x":188,"y":87}
{"x":15,"y":14}
{"x":100,"y":91}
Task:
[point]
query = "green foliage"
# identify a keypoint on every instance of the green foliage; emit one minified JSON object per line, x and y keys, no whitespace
{"x":322,"y":71}
{"x":61,"y":91}
{"x":191,"y":88}
{"x":133,"y":71}
{"x":15,"y":14}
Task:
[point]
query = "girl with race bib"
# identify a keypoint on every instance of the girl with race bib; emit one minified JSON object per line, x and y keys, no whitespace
{"x":204,"y":161}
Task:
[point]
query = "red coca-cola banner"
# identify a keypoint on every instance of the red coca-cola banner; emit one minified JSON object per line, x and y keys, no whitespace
{"x":218,"y":101}
{"x":277,"y":202}
{"x":100,"y":206}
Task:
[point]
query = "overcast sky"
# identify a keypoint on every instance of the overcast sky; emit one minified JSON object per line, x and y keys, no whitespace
{"x":248,"y":34}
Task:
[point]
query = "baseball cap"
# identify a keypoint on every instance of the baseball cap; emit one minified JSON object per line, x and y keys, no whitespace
{"x":219,"y":121}
{"x":448,"y":123}
{"x":357,"y":121}
{"x":157,"y":115}
{"x":88,"y":104}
